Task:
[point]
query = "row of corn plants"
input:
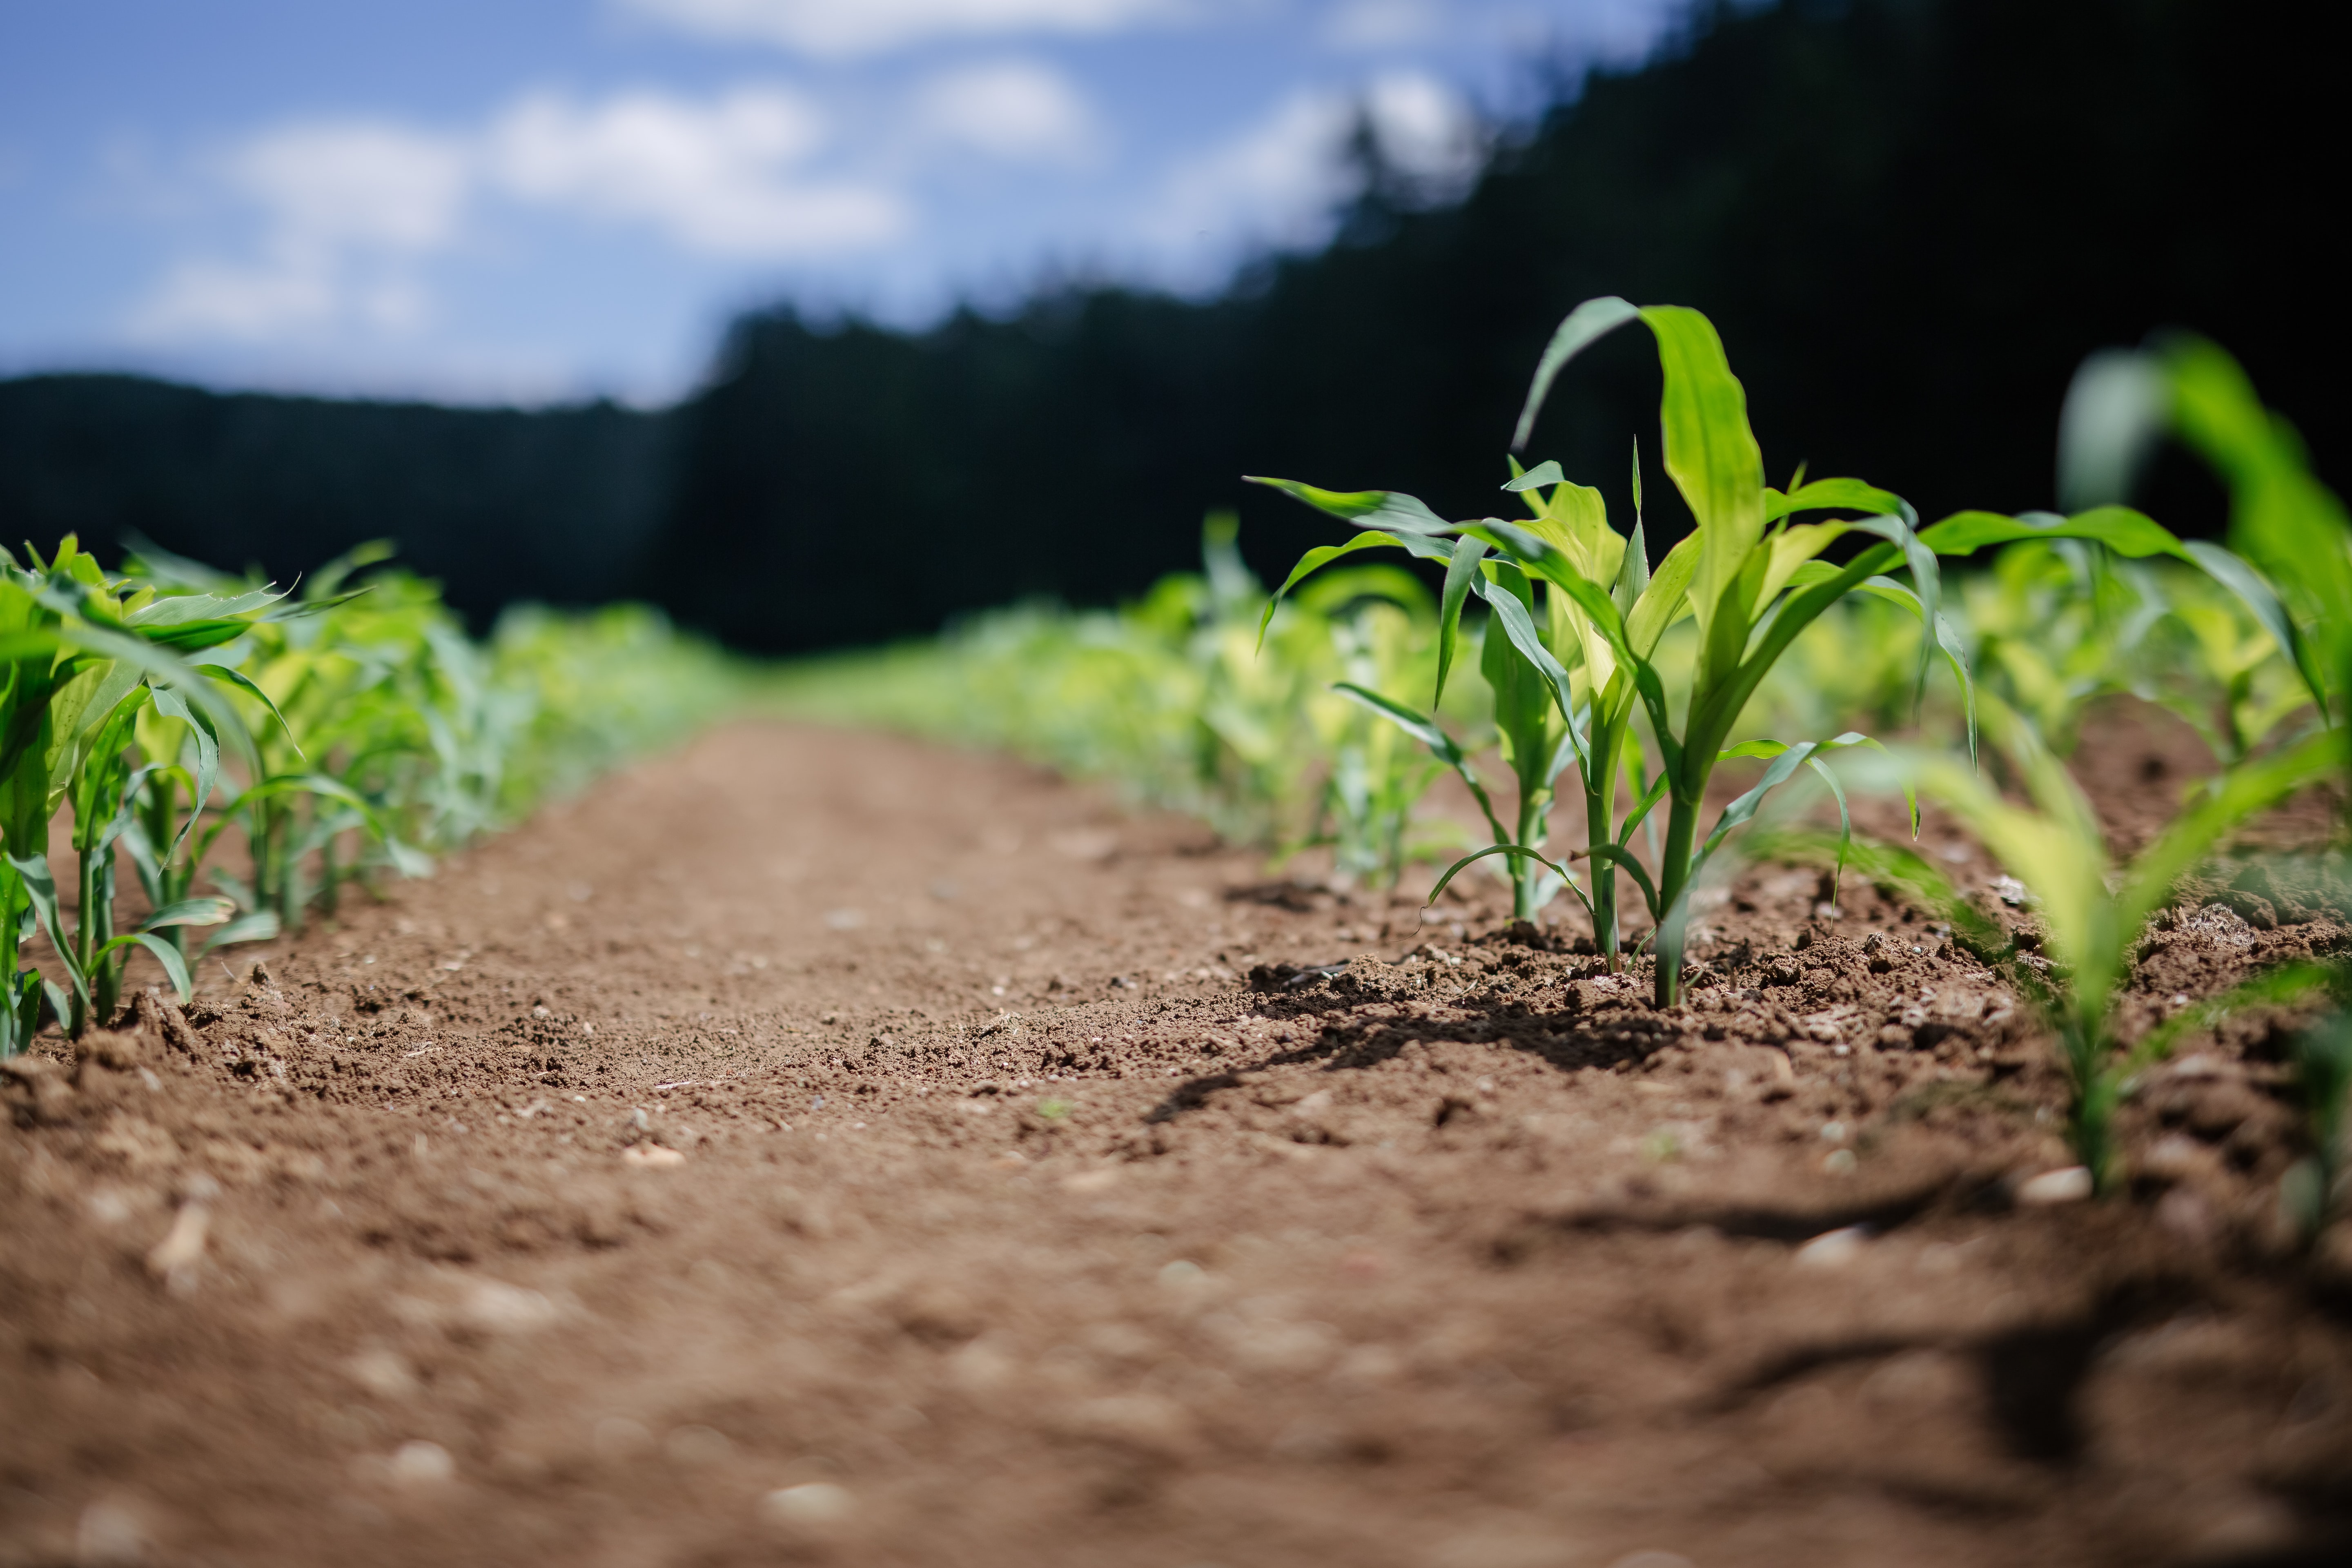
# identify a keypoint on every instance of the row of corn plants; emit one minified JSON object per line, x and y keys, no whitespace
{"x":1549,"y":660}
{"x":253,"y":753}
{"x":2255,"y":655}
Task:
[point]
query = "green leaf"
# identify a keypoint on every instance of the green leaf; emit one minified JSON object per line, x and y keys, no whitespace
{"x":2255,"y":594}
{"x":1710,"y":452}
{"x":238,"y":679}
{"x":1426,"y":731}
{"x":1536,"y":555}
{"x":2281,"y":987}
{"x":168,"y":956}
{"x":1625,"y":861}
{"x":1642,"y":806}
{"x":1323,"y":555}
{"x":1518,"y":851}
{"x":1544,"y":473}
{"x":197,"y":911}
{"x":41,"y":892}
{"x":1589,"y":322}
{"x":172,"y":705}
{"x":182,"y":609}
{"x":1460,"y":572}
{"x":1947,"y":638}
{"x":1926,"y":578}
{"x":2281,"y":517}
{"x":1823,"y":495}
{"x":2243,"y":793}
{"x":2120,"y":529}
{"x":261,"y":926}
{"x":1378,"y":509}
{"x":1520,"y":628}
{"x":2116,"y":408}
{"x":1420,"y":727}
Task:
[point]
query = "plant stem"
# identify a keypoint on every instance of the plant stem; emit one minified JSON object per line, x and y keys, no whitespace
{"x":1524,"y":872}
{"x":1599,"y":829}
{"x":85,"y":940}
{"x":14,"y":1028}
{"x":1607,"y":743}
{"x":1673,"y":873}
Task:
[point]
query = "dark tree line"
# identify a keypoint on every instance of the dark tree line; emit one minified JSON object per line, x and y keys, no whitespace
{"x":498,"y":504}
{"x":1910,"y":218}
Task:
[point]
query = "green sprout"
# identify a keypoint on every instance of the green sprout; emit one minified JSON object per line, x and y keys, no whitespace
{"x":2094,"y":912}
{"x":1568,"y":690}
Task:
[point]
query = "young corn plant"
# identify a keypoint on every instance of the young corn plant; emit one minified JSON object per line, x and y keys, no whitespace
{"x":1751,"y":578}
{"x":2288,"y":533}
{"x":2094,"y":912}
{"x":347,"y":692}
{"x":1378,"y":618}
{"x":1747,"y":574}
{"x":2297,"y":534}
{"x":84,"y":654}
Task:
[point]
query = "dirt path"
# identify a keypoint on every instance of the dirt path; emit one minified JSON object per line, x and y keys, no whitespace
{"x":824,"y":1147}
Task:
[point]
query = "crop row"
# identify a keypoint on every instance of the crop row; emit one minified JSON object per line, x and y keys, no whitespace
{"x":253,"y":753}
{"x":1559,"y":661}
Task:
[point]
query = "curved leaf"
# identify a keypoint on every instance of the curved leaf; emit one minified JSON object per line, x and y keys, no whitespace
{"x":1710,"y":452}
{"x":1379,"y":509}
{"x":1519,"y":851}
{"x":1461,"y":571}
{"x":2120,"y":529}
{"x":197,"y":912}
{"x":1583,"y":326}
{"x":1823,"y":495}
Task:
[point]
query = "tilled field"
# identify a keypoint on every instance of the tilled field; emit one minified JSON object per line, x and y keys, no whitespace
{"x":821,"y":1147}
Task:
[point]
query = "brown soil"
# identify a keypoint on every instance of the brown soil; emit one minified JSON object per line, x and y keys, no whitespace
{"x":818,"y":1146}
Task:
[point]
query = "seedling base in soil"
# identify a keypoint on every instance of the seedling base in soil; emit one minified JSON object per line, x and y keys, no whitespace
{"x":822,"y":1146}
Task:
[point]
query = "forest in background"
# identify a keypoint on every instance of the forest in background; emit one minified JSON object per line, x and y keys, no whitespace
{"x":1909,"y":218}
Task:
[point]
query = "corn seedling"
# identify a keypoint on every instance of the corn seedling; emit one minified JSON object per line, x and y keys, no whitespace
{"x":121,"y":697}
{"x":86,"y":655}
{"x":1748,"y":575}
{"x":2093,"y":912}
{"x":1378,"y":618}
{"x":2284,"y":523}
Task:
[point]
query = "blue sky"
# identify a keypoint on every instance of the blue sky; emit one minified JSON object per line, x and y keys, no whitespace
{"x":530,"y":200}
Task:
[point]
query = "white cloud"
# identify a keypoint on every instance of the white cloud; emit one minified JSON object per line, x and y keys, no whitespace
{"x":1380,"y":24}
{"x":344,"y":205}
{"x":1020,"y":111}
{"x":844,"y":28}
{"x":718,"y":177}
{"x":1273,"y":182}
{"x":354,"y":183}
{"x":1424,"y":127}
{"x":1279,"y":182}
{"x":351,"y":210}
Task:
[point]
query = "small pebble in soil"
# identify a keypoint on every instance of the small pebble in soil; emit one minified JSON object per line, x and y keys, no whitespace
{"x":109,"y":1532}
{"x":422,"y":1464}
{"x":2067,"y":1184}
{"x":1833,"y":1248}
{"x":810,"y":1503}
